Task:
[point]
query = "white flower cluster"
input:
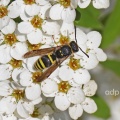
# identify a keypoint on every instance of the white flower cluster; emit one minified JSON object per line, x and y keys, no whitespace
{"x":36,"y":24}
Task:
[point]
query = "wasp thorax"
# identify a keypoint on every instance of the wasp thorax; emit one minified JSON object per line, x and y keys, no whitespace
{"x":10,"y":39}
{"x":64,"y":86}
{"x":64,"y":40}
{"x":15,"y":63}
{"x":3,"y":11}
{"x":35,"y":76}
{"x":35,"y":113}
{"x":74,"y":63}
{"x":18,"y":94}
{"x":29,"y":2}
{"x":37,"y":21}
{"x":34,"y":46}
{"x":65,"y":3}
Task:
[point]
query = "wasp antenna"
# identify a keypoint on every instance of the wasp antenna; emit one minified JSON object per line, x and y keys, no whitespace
{"x":75,"y":34}
{"x":83,"y":52}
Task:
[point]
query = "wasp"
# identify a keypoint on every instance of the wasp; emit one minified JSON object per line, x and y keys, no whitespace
{"x":52,"y":57}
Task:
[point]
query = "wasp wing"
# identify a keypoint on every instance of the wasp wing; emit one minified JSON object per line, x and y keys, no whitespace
{"x":39,"y":52}
{"x":51,"y":69}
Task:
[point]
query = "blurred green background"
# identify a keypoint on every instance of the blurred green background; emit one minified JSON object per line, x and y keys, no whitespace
{"x":107,"y":74}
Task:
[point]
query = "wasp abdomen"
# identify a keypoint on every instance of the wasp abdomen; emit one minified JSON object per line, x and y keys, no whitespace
{"x":45,"y":61}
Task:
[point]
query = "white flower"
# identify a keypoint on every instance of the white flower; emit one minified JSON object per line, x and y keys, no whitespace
{"x":32,"y":90}
{"x":64,"y":96}
{"x":14,"y":98}
{"x":93,"y":42}
{"x":96,"y":3}
{"x":24,"y":9}
{"x":34,"y":34}
{"x":41,"y":111}
{"x":89,"y":44}
{"x":70,"y":97}
{"x":88,"y":105}
{"x":72,"y":71}
{"x":64,"y":10}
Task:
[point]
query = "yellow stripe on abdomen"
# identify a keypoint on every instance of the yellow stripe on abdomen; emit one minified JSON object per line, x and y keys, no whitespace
{"x":37,"y":66}
{"x":42,"y":64}
{"x":52,"y":61}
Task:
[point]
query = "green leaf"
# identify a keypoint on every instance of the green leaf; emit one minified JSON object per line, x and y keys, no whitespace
{"x":112,"y":27}
{"x":103,"y":109}
{"x":113,"y":65}
{"x":88,"y":18}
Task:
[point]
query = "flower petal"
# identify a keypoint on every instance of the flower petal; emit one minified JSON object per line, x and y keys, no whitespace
{"x":35,"y":36}
{"x":49,"y":86}
{"x":37,"y":101}
{"x":43,"y":11}
{"x":61,"y":101}
{"x":90,"y":88}
{"x":75,"y":95}
{"x":66,"y":73}
{"x":25,"y":78}
{"x":4,"y":2}
{"x":83,"y":3}
{"x":50,"y":28}
{"x":101,"y":4}
{"x":89,"y":105}
{"x":81,"y":36}
{"x":32,"y":10}
{"x":10,"y":28}
{"x":18,"y":50}
{"x":94,"y":39}
{"x":25,"y":108}
{"x":25,"y":27}
{"x":75,"y":111}
{"x":1,"y":37}
{"x":81,"y":76}
{"x":8,"y":105}
{"x":14,"y":10}
{"x":20,"y":37}
{"x":5,"y":89}
{"x":15,"y":74}
{"x":23,"y":15}
{"x":4,"y":21}
{"x":43,"y":2}
{"x":73,"y":83}
{"x":33,"y":91}
{"x":47,"y":39}
{"x":55,"y":12}
{"x":68,"y":15}
{"x":5,"y":71}
{"x":67,"y":28}
{"x":101,"y":56}
{"x":89,"y":63}
{"x":9,"y":117}
{"x":5,"y":54}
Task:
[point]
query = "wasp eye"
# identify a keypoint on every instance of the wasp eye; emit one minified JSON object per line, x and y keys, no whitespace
{"x":74,"y":46}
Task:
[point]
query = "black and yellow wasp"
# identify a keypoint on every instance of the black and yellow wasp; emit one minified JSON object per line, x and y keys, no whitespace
{"x":52,"y":57}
